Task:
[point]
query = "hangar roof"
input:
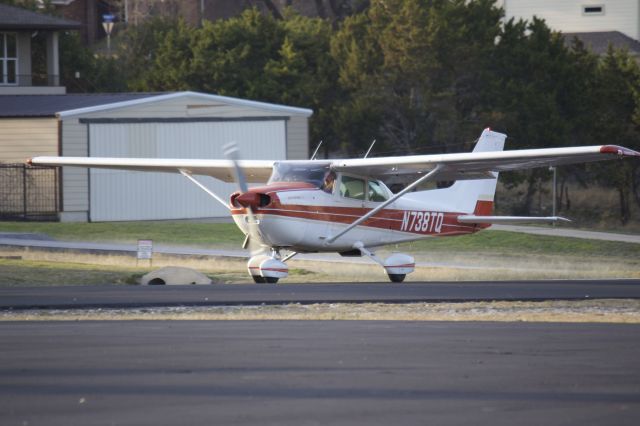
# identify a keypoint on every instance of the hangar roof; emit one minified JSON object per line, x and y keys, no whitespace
{"x":69,"y":105}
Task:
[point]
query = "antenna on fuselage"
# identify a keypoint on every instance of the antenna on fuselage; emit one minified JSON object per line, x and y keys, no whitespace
{"x":313,"y":157}
{"x":370,"y":148}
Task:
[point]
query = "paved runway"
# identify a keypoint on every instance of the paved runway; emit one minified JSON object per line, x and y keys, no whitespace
{"x":246,"y":294}
{"x":314,"y":373}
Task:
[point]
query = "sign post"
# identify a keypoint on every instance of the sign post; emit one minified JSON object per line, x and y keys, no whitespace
{"x":145,"y":251}
{"x":107,"y":24}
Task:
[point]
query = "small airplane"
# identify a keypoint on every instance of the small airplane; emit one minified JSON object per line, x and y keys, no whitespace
{"x":344,"y":206}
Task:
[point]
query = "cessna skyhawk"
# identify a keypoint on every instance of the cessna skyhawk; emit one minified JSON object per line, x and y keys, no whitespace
{"x":343,"y":205}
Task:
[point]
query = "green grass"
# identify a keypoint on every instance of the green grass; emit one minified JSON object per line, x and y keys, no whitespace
{"x":161,"y":232}
{"x":228,"y":235}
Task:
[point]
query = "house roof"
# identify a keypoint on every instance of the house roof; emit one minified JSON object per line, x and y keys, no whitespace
{"x":17,"y":18}
{"x":50,"y":105}
{"x":77,"y":104}
{"x":598,"y":42}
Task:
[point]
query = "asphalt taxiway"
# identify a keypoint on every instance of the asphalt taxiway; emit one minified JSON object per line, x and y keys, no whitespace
{"x":312,"y":373}
{"x":122,"y":296}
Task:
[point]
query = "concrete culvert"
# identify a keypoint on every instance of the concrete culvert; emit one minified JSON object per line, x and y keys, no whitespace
{"x":174,"y":275}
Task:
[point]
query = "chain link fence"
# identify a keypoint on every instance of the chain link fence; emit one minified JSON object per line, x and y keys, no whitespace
{"x":28,"y":192}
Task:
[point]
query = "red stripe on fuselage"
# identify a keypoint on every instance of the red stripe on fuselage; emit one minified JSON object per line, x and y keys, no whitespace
{"x":385,"y":219}
{"x":389,"y":219}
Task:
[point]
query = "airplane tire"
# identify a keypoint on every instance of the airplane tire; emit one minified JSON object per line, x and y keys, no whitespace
{"x":258,"y":279}
{"x":270,"y":280}
{"x":397,"y":278}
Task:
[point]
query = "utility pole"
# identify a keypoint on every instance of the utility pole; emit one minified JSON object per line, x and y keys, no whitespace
{"x":555,"y":172}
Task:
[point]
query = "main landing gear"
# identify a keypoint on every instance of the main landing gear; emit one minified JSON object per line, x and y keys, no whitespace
{"x":397,"y":266}
{"x":270,"y":268}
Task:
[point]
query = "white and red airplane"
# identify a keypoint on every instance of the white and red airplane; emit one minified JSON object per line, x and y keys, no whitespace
{"x":343,"y":205}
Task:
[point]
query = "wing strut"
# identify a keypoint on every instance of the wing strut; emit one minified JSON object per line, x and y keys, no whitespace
{"x":429,"y":176}
{"x":186,"y":174}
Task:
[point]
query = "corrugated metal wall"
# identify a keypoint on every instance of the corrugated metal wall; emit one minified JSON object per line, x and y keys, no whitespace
{"x":119,"y":195}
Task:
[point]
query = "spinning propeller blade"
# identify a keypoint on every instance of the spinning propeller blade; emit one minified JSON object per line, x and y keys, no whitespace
{"x":253,"y":238}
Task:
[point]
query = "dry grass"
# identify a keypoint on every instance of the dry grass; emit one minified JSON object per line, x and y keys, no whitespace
{"x":42,"y":267}
{"x":594,"y":207}
{"x":602,"y":311}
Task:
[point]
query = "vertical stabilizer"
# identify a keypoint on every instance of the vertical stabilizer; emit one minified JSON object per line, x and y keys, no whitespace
{"x":469,"y":196}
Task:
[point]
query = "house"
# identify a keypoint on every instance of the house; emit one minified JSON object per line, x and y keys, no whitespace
{"x":18,"y":76}
{"x":597,"y":23}
{"x":155,"y":125}
{"x":38,"y":117}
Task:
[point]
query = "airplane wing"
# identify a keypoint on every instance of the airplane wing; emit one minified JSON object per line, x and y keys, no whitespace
{"x":478,"y":165}
{"x":257,"y":171}
{"x":471,"y":165}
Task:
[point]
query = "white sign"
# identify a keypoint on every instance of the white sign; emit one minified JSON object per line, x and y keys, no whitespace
{"x":108,"y":27}
{"x":145,"y":249}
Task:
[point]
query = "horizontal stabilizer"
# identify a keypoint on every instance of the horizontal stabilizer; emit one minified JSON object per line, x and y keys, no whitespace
{"x":510,"y":219}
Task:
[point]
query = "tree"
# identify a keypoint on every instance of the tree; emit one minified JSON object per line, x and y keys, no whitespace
{"x":416,"y":67}
{"x":540,"y":90}
{"x":615,"y":121}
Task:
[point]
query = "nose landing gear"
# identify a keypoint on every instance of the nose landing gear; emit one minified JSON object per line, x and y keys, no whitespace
{"x":267,"y":269}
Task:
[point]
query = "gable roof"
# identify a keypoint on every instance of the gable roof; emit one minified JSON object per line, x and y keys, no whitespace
{"x":69,"y":105}
{"x":202,"y":96}
{"x":17,"y":18}
{"x":598,"y":42}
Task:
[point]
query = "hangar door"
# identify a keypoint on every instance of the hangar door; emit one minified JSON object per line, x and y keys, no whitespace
{"x":123,"y":195}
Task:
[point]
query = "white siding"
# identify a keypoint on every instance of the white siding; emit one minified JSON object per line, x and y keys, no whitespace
{"x":119,"y":195}
{"x":23,"y":138}
{"x":298,"y":138}
{"x":75,"y":137}
{"x":567,"y":16}
{"x":75,"y":181}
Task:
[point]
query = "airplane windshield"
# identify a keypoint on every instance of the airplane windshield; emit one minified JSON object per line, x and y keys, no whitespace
{"x":313,"y":173}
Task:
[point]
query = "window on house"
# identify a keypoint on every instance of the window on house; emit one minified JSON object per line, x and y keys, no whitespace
{"x":8,"y":58}
{"x":593,"y":10}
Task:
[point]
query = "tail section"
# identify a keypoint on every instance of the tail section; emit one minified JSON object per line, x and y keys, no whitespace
{"x":469,"y":196}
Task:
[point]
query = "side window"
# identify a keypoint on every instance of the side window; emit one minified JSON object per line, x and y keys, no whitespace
{"x":329,"y":182}
{"x":376,"y":191}
{"x":352,"y":187}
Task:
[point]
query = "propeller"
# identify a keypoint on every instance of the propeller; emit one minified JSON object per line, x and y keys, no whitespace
{"x":253,"y":239}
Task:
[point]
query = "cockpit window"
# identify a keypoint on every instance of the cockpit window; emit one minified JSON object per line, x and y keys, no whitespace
{"x":376,"y":191}
{"x":300,"y":172}
{"x":352,"y":187}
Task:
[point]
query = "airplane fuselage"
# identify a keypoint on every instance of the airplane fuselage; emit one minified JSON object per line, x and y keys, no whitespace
{"x":302,"y":217}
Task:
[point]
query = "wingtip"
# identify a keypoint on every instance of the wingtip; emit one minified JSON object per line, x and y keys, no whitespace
{"x":620,"y":151}
{"x":562,"y":219}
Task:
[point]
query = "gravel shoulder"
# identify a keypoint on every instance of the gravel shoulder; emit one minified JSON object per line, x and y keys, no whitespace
{"x":589,"y":311}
